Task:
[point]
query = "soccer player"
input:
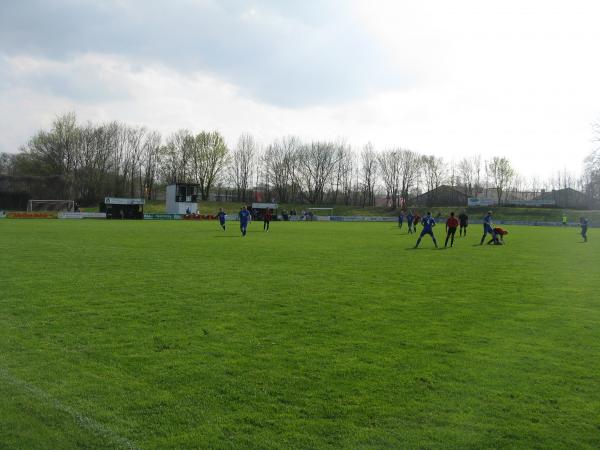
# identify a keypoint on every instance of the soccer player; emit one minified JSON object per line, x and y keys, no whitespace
{"x":267,"y":219}
{"x":221,"y":215}
{"x":400,"y":219}
{"x":498,"y":232}
{"x":584,"y":226}
{"x":416,"y":220}
{"x":428,"y":224}
{"x":409,"y":222}
{"x":244,"y":219}
{"x":463,"y":220}
{"x":564,"y":219}
{"x":451,"y":225}
{"x":488,"y":227}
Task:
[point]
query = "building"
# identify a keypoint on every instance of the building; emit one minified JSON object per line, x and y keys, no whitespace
{"x":441,"y":196}
{"x":566,"y":198}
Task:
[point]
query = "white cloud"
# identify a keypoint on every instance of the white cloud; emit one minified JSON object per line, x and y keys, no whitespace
{"x":515,"y":79}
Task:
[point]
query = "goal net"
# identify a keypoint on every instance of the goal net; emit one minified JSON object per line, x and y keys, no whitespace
{"x":320,"y":213}
{"x":50,"y":205}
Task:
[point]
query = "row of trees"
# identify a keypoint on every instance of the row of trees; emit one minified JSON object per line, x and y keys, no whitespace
{"x":120,"y":160}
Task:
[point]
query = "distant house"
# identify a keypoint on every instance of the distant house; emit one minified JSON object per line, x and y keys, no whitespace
{"x":566,"y":198}
{"x":441,"y":196}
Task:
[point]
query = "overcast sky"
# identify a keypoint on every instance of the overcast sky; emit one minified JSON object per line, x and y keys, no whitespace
{"x":453,"y":78}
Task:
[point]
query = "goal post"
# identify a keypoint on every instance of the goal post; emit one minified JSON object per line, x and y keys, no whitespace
{"x":50,"y":205}
{"x":322,"y":214}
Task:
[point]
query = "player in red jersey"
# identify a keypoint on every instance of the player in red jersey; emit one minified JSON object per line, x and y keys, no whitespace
{"x":498,"y":236}
{"x":451,"y":225}
{"x":267,"y":219}
{"x":416,"y":221}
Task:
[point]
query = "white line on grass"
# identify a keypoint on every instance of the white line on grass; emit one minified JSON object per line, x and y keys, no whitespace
{"x":81,"y":419}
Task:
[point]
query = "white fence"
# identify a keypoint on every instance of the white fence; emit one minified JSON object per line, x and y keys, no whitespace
{"x":81,"y":215}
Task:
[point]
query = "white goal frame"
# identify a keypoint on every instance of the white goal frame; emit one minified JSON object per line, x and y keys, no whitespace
{"x":316,"y":211}
{"x":70,"y":205}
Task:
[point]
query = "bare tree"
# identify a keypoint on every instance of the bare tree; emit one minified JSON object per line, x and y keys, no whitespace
{"x":316,"y":163}
{"x":242,"y":165}
{"x":150,"y":163}
{"x":591,"y":175}
{"x":132,"y":155}
{"x":173,"y":155}
{"x":389,"y":168}
{"x":501,"y":175}
{"x":280,"y":161}
{"x":343,"y":172}
{"x":477,"y":169}
{"x":469,"y":172}
{"x":409,"y":172}
{"x":94,"y":163}
{"x":209,"y":154}
{"x":434,"y":172}
{"x":368,"y":173}
{"x":467,"y":175}
{"x":452,"y":171}
{"x":55,"y":152}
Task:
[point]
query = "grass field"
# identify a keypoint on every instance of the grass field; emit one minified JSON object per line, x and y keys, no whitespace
{"x":174,"y":334}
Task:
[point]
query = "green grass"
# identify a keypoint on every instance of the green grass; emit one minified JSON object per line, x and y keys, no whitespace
{"x":173,"y":334}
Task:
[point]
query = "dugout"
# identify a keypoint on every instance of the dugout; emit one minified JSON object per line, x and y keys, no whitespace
{"x":259,"y":209}
{"x":182,"y":198}
{"x":123,"y":208}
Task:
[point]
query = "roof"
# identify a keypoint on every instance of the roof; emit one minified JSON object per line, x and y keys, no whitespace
{"x":559,"y":192}
{"x":443,"y":187}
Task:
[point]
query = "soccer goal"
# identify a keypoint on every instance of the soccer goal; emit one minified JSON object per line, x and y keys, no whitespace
{"x":320,"y":213}
{"x":50,"y":205}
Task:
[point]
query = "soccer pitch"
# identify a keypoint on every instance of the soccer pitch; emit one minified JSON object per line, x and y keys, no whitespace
{"x":176,"y":334}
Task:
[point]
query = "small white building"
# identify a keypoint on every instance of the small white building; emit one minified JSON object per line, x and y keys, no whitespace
{"x":182,"y":198}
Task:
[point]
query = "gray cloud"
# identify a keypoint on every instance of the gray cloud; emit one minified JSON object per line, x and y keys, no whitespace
{"x":80,"y":82}
{"x":287,"y":53}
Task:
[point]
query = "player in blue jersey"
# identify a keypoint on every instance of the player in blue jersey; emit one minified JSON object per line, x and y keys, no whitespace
{"x":428,"y":224}
{"x":400,"y":219}
{"x":488,"y":227}
{"x":409,"y":222}
{"x":244,"y":220}
{"x":583,"y":222}
{"x":221,"y":215}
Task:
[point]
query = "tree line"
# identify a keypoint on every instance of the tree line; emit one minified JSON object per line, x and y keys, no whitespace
{"x":114,"y":159}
